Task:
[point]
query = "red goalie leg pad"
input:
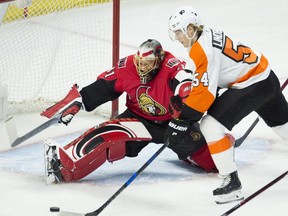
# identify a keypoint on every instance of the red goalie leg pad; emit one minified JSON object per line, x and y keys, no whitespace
{"x":202,"y":158}
{"x":75,"y":170}
{"x":90,"y":165}
{"x":67,"y":165}
{"x":116,"y":152}
{"x":101,"y":158}
{"x":105,"y":142}
{"x":58,"y":107}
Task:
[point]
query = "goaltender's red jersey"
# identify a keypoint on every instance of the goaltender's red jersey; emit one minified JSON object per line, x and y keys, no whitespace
{"x":147,"y":100}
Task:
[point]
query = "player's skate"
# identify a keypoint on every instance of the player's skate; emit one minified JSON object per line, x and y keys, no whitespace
{"x":52,"y":163}
{"x":230,"y":189}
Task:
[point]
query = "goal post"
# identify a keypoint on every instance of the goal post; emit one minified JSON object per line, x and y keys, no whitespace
{"x":48,"y":45}
{"x":116,"y":45}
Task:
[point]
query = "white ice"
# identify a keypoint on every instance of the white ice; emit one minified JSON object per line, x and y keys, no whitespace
{"x":167,"y":187}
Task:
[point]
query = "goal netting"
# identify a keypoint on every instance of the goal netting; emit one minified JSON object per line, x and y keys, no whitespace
{"x":49,"y":45}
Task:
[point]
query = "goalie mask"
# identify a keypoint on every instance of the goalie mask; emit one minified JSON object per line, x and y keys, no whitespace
{"x":148,"y":60}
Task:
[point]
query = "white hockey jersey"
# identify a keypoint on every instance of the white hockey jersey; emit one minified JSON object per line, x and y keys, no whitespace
{"x":218,"y":61}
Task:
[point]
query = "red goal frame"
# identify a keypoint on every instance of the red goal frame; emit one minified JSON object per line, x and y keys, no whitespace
{"x":115,"y":48}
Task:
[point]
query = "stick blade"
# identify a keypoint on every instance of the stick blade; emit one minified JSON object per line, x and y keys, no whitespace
{"x":67,"y":213}
{"x":15,"y":140}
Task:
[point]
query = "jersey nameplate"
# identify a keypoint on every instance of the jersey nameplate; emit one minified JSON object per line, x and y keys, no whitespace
{"x":217,"y":39}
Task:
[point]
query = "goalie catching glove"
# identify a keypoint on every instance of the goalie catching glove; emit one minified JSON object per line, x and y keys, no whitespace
{"x":67,"y":107}
{"x":184,"y":137}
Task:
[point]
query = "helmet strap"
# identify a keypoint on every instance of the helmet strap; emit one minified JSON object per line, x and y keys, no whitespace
{"x":191,"y":38}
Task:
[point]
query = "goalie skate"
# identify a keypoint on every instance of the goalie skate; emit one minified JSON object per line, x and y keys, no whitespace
{"x":52,"y":163}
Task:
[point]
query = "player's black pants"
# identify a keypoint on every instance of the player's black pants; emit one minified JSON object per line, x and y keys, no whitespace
{"x":264,"y":97}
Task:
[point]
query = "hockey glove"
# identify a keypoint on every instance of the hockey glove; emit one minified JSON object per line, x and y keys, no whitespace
{"x":184,"y":137}
{"x":176,"y":131}
{"x":175,"y":106}
{"x":67,"y":107}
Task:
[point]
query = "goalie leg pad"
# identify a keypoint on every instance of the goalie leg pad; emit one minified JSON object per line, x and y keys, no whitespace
{"x":91,"y":164}
{"x":202,"y":159}
{"x":59,"y":166}
{"x":104,"y":142}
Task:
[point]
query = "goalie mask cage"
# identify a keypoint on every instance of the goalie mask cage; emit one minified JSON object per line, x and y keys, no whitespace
{"x":48,"y":45}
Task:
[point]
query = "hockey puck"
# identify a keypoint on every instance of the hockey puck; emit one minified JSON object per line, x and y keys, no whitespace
{"x":54,"y":209}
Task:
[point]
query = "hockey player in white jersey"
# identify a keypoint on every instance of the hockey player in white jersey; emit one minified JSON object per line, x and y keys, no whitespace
{"x":219,"y":62}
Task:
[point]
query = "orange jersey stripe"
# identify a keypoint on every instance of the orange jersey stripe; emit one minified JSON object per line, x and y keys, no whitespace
{"x":219,"y":146}
{"x":200,"y":98}
{"x":199,"y":57}
{"x":261,"y":67}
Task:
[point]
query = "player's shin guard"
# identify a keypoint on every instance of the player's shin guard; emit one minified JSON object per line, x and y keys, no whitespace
{"x":223,"y":156}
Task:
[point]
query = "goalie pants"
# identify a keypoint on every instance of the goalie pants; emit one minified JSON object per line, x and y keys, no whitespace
{"x":200,"y":158}
{"x":156,"y":130}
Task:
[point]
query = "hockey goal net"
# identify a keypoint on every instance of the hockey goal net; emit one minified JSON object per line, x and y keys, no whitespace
{"x":48,"y":45}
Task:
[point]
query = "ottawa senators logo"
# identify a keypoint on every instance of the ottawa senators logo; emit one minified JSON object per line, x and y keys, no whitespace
{"x":147,"y":103}
{"x":195,"y":135}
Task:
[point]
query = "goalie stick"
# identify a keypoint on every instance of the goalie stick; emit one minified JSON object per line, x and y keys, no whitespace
{"x":127,"y":183}
{"x":254,"y":194}
{"x":12,"y":132}
{"x":240,"y":140}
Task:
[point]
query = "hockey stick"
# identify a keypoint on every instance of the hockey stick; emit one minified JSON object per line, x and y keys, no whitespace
{"x":254,"y":194}
{"x":127,"y":183}
{"x":12,"y":132}
{"x":239,"y":141}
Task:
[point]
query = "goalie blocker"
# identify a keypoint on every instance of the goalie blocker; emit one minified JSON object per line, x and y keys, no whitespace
{"x":111,"y":141}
